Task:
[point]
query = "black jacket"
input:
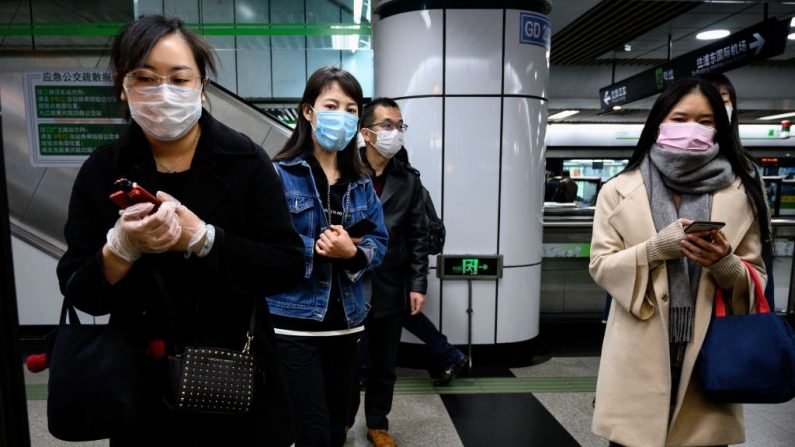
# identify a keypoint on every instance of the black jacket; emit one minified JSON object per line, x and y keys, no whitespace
{"x":233,"y":186}
{"x":405,"y":266}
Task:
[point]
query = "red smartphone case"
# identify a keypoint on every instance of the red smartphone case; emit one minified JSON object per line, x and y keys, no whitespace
{"x":136,"y":194}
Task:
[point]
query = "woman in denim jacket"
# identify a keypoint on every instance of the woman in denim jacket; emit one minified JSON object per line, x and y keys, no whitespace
{"x":327,"y":190}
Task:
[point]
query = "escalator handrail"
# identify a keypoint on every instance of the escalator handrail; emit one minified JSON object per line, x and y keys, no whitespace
{"x":241,"y":100}
{"x":42,"y":242}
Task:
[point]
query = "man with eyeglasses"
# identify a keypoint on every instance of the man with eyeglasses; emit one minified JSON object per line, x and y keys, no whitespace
{"x":400,"y":283}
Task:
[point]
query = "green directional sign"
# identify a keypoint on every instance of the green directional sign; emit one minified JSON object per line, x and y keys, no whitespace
{"x":70,"y":112}
{"x":469,"y":266}
{"x":75,"y":139}
{"x":67,"y":101}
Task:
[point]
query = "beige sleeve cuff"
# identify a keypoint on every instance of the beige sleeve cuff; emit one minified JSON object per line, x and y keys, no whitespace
{"x":666,"y":244}
{"x":727,"y":271}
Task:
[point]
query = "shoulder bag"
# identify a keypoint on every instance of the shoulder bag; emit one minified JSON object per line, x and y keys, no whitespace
{"x":96,"y":382}
{"x":748,"y":358}
{"x":210,"y":379}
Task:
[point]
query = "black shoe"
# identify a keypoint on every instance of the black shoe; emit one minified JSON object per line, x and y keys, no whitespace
{"x":451,"y":372}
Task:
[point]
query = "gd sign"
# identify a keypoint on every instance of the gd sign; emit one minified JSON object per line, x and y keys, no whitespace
{"x":535,"y":29}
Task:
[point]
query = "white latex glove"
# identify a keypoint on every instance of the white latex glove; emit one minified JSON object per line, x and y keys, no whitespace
{"x":193,"y":228}
{"x":137,"y":232}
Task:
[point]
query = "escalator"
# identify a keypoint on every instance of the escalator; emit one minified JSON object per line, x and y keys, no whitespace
{"x":38,"y":197}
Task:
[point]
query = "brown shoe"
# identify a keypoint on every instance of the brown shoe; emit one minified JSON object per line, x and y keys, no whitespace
{"x":380,"y":437}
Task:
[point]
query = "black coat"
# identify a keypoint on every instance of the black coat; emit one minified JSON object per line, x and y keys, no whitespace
{"x":405,"y":266}
{"x":233,"y":186}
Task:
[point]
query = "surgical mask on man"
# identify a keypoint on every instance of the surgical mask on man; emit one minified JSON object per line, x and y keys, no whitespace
{"x":335,"y":129}
{"x":167,"y":112}
{"x":388,"y":142}
{"x":686,"y":136}
{"x":360,"y":140}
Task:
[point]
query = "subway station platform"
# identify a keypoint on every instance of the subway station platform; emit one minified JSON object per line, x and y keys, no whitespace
{"x":547,"y":404}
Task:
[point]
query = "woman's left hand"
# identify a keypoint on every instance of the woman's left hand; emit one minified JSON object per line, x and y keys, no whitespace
{"x":193,"y":228}
{"x":706,"y":247}
{"x":335,"y":243}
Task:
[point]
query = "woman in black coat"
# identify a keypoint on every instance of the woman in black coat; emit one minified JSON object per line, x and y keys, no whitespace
{"x":221,"y":241}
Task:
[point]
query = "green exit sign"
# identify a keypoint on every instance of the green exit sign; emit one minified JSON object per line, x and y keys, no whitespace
{"x":469,"y":266}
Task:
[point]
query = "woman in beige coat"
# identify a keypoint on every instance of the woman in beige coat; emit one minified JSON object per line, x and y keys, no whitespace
{"x":687,"y":167}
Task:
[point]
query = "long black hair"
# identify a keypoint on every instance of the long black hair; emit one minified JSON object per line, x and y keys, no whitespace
{"x":725,"y":137}
{"x":135,"y":41}
{"x":720,"y":80}
{"x":300,"y":142}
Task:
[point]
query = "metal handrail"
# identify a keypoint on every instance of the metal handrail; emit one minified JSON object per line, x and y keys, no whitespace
{"x":776,"y":223}
{"x":37,"y":239}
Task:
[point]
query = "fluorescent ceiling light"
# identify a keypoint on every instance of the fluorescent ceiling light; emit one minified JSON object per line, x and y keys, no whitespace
{"x":779,"y":116}
{"x":616,"y":107}
{"x":357,"y":11}
{"x":345,"y":41}
{"x":791,"y":36}
{"x":713,"y":34}
{"x":563,"y":114}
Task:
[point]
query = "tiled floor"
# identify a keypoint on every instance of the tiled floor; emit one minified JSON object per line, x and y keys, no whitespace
{"x":422,"y":417}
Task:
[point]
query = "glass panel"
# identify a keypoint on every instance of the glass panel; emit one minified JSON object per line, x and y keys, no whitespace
{"x":586,"y":190}
{"x":604,"y":169}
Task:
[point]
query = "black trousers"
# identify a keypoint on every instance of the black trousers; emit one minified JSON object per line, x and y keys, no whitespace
{"x":320,"y":373}
{"x":383,"y":343}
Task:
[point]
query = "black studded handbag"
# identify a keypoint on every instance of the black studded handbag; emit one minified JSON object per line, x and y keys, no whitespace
{"x":213,"y":380}
{"x":210,"y":379}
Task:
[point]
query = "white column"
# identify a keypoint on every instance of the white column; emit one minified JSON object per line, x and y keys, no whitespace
{"x":473,"y":91}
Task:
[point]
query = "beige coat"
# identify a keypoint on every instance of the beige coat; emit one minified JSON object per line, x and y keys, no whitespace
{"x":634,"y":384}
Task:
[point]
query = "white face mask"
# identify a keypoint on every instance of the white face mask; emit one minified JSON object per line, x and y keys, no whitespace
{"x":360,"y":140}
{"x":388,"y":143}
{"x":166,"y":112}
{"x":729,"y":111}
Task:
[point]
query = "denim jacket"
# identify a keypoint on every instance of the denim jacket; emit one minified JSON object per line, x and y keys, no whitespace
{"x":310,"y":299}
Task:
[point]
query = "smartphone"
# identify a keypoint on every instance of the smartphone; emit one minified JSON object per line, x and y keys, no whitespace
{"x":129,"y":193}
{"x":360,"y":228}
{"x":703,"y":226}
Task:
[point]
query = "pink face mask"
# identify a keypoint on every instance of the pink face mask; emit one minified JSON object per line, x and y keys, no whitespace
{"x":686,"y":136}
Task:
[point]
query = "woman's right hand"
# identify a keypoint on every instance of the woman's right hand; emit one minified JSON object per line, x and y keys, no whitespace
{"x":335,"y":243}
{"x":136,"y":231}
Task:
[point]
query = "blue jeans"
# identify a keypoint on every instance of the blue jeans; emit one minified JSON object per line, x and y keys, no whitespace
{"x":444,"y":354}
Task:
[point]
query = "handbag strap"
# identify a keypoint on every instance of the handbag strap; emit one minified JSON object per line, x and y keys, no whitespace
{"x":67,"y":307}
{"x":161,"y":285}
{"x":762,"y":305}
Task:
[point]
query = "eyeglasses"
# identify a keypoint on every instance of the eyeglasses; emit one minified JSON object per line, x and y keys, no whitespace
{"x":390,"y":126}
{"x":141,"y":78}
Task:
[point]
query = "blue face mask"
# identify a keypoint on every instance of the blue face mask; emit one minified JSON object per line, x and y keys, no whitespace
{"x":335,"y":129}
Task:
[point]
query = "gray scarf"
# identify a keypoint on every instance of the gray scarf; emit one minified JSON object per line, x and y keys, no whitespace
{"x":695,"y":175}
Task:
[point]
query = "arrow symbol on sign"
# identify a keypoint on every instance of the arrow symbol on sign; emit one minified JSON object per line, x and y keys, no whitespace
{"x":483,"y":267}
{"x":758,"y":42}
{"x":607,"y":97}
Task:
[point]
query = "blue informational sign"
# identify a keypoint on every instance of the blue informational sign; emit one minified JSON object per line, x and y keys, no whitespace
{"x":535,"y":30}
